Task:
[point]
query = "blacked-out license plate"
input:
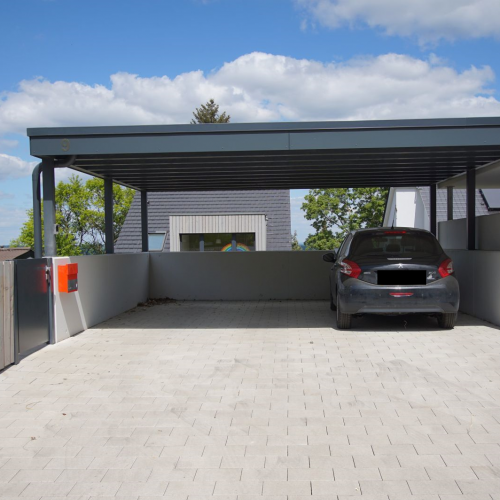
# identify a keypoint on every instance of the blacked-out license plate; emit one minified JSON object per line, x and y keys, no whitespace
{"x":401,"y":277}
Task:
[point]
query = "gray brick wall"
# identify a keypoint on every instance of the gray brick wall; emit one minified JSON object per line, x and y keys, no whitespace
{"x":273,"y":203}
{"x":459,"y":203}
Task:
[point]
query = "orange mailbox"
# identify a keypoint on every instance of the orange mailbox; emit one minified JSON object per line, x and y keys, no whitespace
{"x":68,"y":278}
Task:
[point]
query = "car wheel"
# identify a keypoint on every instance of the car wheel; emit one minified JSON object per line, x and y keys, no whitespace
{"x":343,"y":320}
{"x":332,"y":303}
{"x":447,"y":320}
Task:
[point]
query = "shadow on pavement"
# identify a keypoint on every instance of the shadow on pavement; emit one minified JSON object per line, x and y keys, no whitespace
{"x":266,"y":315}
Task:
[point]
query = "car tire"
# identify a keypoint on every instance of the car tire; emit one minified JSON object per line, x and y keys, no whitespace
{"x":343,"y":320}
{"x":447,"y":320}
{"x":333,"y":307}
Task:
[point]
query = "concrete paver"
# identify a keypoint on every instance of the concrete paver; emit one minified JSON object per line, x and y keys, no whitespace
{"x":246,"y":400}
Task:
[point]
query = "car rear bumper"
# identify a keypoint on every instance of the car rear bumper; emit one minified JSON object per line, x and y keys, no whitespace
{"x":359,"y":297}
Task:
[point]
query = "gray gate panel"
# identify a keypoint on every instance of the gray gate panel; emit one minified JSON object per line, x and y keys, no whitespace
{"x":32,"y":305}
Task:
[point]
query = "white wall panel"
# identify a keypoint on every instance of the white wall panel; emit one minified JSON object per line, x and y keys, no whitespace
{"x":478,"y":273}
{"x":107,"y":285}
{"x":453,"y":233}
{"x":197,"y":224}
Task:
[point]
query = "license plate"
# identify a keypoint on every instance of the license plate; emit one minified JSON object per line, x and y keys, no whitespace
{"x":401,"y":277}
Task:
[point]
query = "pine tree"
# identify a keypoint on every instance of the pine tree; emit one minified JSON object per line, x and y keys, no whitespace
{"x":295,"y":242}
{"x":209,"y":113}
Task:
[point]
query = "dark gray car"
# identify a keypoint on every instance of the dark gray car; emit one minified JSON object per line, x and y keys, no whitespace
{"x":392,"y":271}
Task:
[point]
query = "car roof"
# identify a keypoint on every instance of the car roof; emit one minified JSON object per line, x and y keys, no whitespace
{"x":384,"y":229}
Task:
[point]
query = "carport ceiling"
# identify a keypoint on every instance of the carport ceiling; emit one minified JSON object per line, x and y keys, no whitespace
{"x":276,"y":155}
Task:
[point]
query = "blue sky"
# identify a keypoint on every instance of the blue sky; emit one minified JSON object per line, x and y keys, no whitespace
{"x":68,"y":62}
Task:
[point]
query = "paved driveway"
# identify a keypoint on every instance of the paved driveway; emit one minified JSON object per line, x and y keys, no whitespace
{"x":240,"y":400}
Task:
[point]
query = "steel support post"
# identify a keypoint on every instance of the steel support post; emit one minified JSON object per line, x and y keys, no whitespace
{"x":109,"y":242}
{"x":49,"y":207}
{"x":144,"y":221}
{"x":37,"y":211}
{"x":433,"y":214}
{"x":471,"y":209}
{"x":449,"y":202}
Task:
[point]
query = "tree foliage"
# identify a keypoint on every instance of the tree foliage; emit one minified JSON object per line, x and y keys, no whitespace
{"x":209,"y":113}
{"x":295,"y":242}
{"x":336,"y":212}
{"x":80,"y":216}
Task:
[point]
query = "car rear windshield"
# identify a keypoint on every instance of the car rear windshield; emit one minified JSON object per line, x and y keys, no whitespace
{"x":400,"y":243}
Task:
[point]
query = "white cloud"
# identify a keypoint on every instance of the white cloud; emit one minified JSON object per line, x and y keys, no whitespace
{"x":261,"y":87}
{"x":11,"y":219}
{"x":63,"y":174}
{"x":12,"y":167}
{"x":8,"y":143}
{"x":426,"y":20}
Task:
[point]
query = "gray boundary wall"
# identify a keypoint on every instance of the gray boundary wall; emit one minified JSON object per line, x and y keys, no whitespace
{"x":111,"y":284}
{"x":107,"y":286}
{"x":453,"y":233}
{"x":478,"y":271}
{"x":239,"y":276}
{"x":6,"y":314}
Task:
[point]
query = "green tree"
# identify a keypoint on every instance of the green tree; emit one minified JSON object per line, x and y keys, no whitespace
{"x":295,"y":242}
{"x":209,"y":113}
{"x":335,"y":212}
{"x":80,"y":216}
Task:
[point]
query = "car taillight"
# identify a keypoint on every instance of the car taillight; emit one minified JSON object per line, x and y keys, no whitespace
{"x":350,"y":268}
{"x":446,"y":268}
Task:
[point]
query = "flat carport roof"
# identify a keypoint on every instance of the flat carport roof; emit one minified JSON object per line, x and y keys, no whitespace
{"x":237,"y":156}
{"x":275,"y":155}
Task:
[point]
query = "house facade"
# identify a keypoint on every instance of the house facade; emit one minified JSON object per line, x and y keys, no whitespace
{"x":206,"y":221}
{"x":410,"y":207}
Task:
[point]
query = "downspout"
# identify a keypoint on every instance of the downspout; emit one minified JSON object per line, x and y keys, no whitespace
{"x":37,"y":230}
{"x":37,"y":211}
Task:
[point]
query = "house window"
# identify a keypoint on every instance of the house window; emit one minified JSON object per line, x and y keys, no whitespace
{"x":218,"y":242}
{"x":190,"y":242}
{"x":156,"y":241}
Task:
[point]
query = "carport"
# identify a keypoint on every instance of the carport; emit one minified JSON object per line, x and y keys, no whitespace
{"x":264,"y":156}
{"x":398,"y":153}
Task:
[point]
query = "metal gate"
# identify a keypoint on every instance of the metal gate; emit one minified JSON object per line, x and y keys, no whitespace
{"x":33,"y":315}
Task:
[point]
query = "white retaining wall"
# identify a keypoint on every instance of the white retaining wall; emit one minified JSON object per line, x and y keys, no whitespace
{"x":453,"y":233}
{"x":478,"y":273}
{"x":6,"y":314}
{"x":239,"y":276}
{"x":107,"y":285}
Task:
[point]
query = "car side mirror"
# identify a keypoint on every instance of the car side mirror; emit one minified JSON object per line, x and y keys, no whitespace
{"x":330,"y":257}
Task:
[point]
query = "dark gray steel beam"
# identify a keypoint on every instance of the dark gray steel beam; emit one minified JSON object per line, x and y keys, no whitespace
{"x":108,"y":216}
{"x":433,"y":208}
{"x":449,"y":202}
{"x":49,"y":207}
{"x":471,"y":209}
{"x":270,"y":167}
{"x":270,"y":141}
{"x":144,"y":221}
{"x":298,"y":174}
{"x":266,"y":127}
{"x":246,"y":183}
